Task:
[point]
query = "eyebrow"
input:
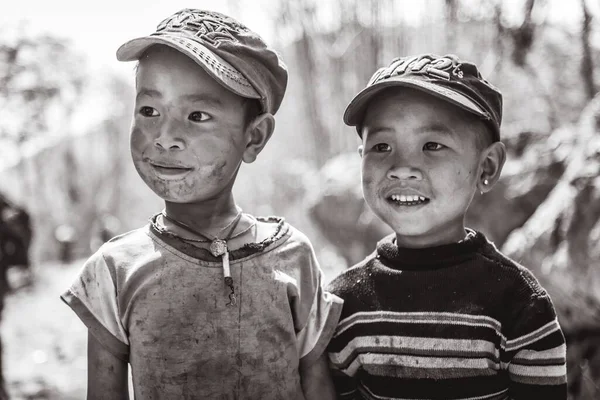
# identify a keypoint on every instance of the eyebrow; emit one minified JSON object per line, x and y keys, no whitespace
{"x":203,"y":98}
{"x":195,"y":97}
{"x":433,"y":127}
{"x":436,"y":127}
{"x":148,"y":92}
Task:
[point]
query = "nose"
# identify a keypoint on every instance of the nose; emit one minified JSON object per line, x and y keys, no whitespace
{"x":169,"y":137}
{"x":405,"y":173}
{"x":405,"y":169}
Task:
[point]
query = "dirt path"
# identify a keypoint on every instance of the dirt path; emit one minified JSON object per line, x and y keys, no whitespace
{"x":44,"y":342}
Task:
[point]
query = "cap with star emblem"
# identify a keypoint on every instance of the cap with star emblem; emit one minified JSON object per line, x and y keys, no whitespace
{"x":232,"y":54}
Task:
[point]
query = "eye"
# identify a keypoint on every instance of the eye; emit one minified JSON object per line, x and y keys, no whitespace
{"x":198,"y":116}
{"x":433,"y":146}
{"x":148,"y":112}
{"x":382,"y":147}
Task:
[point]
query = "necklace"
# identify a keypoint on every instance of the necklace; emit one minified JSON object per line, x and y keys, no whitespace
{"x":192,"y":240}
{"x":218,"y":247}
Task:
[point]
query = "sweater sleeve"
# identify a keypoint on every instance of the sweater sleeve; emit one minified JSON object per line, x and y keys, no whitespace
{"x":342,"y":357}
{"x":535,"y":353}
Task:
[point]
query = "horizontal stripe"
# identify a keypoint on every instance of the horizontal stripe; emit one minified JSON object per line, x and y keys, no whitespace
{"x":445,"y":318}
{"x":419,"y":362}
{"x":539,"y":381}
{"x":540,"y":362}
{"x":436,"y":388}
{"x":435,"y":347}
{"x":534,"y":336}
{"x":537,"y":370}
{"x":404,"y":372}
{"x":551,"y":341}
{"x":416,"y":330}
{"x":558,"y":352}
{"x":417,"y":317}
{"x":368,"y":394}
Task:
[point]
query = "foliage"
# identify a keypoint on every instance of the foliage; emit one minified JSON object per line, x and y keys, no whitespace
{"x":41,"y":81}
{"x":337,"y":45}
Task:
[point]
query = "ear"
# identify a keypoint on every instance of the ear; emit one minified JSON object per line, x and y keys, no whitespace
{"x":491,"y":163}
{"x":361,"y":149}
{"x":258,"y":134}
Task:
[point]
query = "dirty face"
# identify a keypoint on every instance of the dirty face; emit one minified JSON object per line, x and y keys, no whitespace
{"x":420,"y":163}
{"x":188,"y":133}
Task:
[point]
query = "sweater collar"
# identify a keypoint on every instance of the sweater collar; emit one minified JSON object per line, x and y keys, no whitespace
{"x":434,"y":257}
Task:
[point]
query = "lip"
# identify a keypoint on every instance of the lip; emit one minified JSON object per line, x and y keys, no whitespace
{"x":166,"y":170}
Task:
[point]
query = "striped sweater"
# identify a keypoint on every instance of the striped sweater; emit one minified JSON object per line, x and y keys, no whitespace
{"x":458,"y":321}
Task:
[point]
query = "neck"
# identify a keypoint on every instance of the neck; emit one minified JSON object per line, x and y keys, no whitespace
{"x":205,"y":216}
{"x":439,"y":237}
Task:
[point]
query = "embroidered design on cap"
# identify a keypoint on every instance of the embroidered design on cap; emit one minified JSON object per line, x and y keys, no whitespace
{"x":211,"y":27}
{"x":439,"y":68}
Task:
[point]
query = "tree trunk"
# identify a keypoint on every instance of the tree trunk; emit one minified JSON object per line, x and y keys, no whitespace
{"x":587,"y":65}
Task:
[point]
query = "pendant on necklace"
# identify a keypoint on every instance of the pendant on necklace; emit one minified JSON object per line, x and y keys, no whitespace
{"x":218,"y":247}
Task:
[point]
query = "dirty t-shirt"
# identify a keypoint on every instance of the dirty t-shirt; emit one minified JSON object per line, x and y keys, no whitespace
{"x":161,"y":305}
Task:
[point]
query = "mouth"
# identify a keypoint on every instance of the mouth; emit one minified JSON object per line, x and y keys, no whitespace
{"x":408,"y":200}
{"x":169,"y":171}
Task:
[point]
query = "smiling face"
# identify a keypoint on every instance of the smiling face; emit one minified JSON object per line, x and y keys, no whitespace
{"x":421,"y":165}
{"x":189,"y":133}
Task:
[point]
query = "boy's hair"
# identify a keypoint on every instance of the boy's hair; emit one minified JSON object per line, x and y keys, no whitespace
{"x":252,"y":109}
{"x":228,"y":51}
{"x":447,"y":78}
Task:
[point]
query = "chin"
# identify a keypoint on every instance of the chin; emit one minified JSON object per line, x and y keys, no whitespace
{"x":403,"y":230}
{"x":409,"y":225}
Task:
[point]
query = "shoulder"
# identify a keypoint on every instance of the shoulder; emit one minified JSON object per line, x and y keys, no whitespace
{"x":287,"y":248}
{"x":286,"y":235}
{"x":125,"y":246}
{"x":345,"y":284}
{"x":512,"y":272}
{"x":299,"y":238}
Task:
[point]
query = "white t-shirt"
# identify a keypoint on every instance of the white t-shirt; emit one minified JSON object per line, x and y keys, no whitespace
{"x":161,"y":304}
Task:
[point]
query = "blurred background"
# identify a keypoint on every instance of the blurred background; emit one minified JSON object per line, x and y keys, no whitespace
{"x":67,"y":183}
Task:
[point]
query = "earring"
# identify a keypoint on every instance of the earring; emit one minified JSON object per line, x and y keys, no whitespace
{"x":485,"y":181}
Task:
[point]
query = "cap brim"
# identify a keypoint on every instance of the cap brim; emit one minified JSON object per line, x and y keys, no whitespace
{"x":222,"y":71}
{"x":355,"y":110}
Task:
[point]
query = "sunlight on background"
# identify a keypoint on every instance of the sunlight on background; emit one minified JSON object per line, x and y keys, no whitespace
{"x":97,"y":30}
{"x":66,"y":111}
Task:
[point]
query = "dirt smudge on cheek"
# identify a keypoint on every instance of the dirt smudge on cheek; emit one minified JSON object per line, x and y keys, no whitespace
{"x":218,"y":169}
{"x":138,"y":138}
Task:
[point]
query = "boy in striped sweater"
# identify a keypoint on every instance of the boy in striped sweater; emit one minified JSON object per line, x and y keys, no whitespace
{"x":437,"y":312}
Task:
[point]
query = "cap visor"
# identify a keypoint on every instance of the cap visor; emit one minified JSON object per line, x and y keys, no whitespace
{"x":215,"y":66}
{"x":356,"y":108}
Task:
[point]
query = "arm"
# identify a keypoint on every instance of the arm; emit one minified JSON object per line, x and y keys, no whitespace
{"x":93,"y":297}
{"x":107,"y":374}
{"x":536,"y":358}
{"x":316,"y":380}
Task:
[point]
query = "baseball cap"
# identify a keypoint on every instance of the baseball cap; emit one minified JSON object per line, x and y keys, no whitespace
{"x":446,"y":77}
{"x":228,"y":51}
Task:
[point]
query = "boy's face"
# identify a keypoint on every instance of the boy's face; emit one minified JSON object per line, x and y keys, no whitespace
{"x":189,"y":133}
{"x":420,"y":166}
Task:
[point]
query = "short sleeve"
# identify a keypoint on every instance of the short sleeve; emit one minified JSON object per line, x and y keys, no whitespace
{"x":316,"y":311}
{"x":93,"y":297}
